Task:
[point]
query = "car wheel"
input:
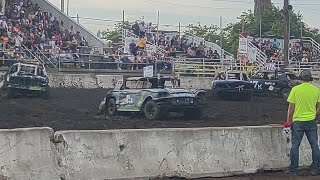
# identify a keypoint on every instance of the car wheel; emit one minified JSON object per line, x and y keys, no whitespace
{"x":285,"y":93}
{"x":111,"y":107}
{"x":193,"y":114}
{"x":151,"y":110}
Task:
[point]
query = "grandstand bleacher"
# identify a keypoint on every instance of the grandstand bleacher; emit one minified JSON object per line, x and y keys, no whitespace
{"x":36,"y":30}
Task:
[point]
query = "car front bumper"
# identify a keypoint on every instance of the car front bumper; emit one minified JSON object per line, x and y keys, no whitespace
{"x":29,"y":88}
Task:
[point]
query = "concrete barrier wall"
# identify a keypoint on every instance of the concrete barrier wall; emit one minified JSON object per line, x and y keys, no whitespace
{"x":140,"y":154}
{"x":89,"y":81}
{"x":93,"y":40}
{"x":190,"y":153}
{"x":86,"y":81}
{"x":28,"y":154}
{"x":196,"y":82}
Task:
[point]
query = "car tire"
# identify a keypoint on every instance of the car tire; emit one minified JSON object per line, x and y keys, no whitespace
{"x":151,"y":110}
{"x":111,"y":108}
{"x":193,"y":114}
{"x":285,"y":93}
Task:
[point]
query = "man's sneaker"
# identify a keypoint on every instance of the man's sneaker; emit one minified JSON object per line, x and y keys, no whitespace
{"x":315,"y":172}
{"x":290,"y":173}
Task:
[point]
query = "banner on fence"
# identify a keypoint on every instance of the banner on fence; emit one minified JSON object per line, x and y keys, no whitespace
{"x":148,"y":71}
{"x":252,"y":54}
{"x":243,"y":45}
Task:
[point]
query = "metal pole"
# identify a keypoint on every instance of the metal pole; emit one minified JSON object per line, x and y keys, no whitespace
{"x":221,"y":38}
{"x":78,"y":19}
{"x":301,"y":30}
{"x":158,"y":22}
{"x":123,"y":18}
{"x":260,"y":23}
{"x":62,"y":6}
{"x":180,"y":32}
{"x":286,"y":32}
{"x":68,"y":3}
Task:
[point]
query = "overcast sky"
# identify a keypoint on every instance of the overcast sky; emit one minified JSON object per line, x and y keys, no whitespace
{"x":173,"y":12}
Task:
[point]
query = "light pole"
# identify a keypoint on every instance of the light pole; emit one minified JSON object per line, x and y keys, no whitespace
{"x":301,"y":25}
{"x":68,"y":2}
{"x":62,"y":6}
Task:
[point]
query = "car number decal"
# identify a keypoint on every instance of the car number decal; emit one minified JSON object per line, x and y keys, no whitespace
{"x":127,"y":100}
{"x":257,"y":85}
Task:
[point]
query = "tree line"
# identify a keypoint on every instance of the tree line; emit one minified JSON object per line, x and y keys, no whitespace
{"x":271,"y":26}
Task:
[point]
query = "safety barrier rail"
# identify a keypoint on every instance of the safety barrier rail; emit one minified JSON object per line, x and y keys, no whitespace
{"x":207,"y":44}
{"x":209,"y":67}
{"x":314,"y":43}
{"x":162,"y":67}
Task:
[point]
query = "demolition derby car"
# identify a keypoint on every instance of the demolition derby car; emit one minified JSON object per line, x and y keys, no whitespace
{"x":232,"y":85}
{"x":153,"y":97}
{"x":25,"y":79}
{"x":274,"y":83}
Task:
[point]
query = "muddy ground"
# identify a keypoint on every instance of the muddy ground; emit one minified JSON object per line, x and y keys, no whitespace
{"x":76,"y":109}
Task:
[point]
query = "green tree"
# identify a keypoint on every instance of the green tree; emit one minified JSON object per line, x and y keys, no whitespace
{"x":208,"y":33}
{"x":115,"y":35}
{"x":271,"y":25}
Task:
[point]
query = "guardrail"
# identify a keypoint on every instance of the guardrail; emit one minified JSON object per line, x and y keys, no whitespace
{"x":209,"y":67}
{"x":162,"y":67}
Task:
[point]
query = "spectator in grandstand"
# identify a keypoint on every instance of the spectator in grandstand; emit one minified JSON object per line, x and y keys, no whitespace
{"x":133,"y":48}
{"x":162,"y":38}
{"x":142,"y":44}
{"x":255,"y":43}
{"x":209,"y":53}
{"x":18,"y":41}
{"x":275,"y":44}
{"x":149,"y":29}
{"x":215,"y":55}
{"x":136,"y":29}
{"x":191,"y":52}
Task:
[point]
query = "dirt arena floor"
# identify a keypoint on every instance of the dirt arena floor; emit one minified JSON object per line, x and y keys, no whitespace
{"x":76,"y":109}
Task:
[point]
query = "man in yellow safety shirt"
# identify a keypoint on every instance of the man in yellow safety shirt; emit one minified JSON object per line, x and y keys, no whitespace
{"x":304,"y":106}
{"x":142,"y":43}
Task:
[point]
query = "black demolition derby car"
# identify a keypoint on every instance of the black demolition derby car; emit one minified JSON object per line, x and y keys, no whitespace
{"x":232,"y":85}
{"x":153,"y":97}
{"x":25,"y":79}
{"x":274,"y":83}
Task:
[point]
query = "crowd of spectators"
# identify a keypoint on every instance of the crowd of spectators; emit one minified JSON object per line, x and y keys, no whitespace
{"x":171,"y":45}
{"x":299,"y":51}
{"x":25,"y":28}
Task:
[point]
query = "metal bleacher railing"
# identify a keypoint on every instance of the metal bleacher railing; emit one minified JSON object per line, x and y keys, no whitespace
{"x":96,"y":63}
